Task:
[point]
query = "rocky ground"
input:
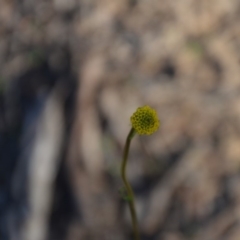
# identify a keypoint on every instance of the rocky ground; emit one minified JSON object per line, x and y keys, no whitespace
{"x":73,"y":72}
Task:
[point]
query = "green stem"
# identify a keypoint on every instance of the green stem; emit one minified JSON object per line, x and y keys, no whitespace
{"x":128,"y":186}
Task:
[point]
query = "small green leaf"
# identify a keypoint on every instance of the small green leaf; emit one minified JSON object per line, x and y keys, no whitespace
{"x":123,"y":193}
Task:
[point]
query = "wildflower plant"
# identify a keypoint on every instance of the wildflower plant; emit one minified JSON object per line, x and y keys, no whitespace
{"x":144,"y":122}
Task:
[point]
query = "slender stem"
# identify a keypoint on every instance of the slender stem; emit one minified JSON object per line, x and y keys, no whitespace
{"x":128,"y":186}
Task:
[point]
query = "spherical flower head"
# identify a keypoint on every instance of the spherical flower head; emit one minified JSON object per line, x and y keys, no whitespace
{"x":145,"y":120}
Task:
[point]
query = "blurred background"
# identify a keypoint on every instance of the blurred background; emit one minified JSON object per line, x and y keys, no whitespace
{"x":72,"y":73}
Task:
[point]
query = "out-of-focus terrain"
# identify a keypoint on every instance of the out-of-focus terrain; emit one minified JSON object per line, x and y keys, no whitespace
{"x":72,"y":73}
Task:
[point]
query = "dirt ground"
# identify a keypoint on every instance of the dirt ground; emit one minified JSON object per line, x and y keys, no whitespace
{"x":72,"y":73}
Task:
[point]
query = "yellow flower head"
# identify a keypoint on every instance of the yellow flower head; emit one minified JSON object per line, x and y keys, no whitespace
{"x":145,"y":120}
